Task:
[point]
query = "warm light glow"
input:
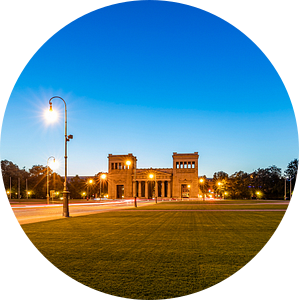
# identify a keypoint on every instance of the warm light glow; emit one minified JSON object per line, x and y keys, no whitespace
{"x":257,"y":193}
{"x":51,"y":115}
{"x":201,"y":180}
{"x":53,"y":164}
{"x":90,"y":181}
{"x":128,"y":163}
{"x":225,"y":193}
{"x":8,"y":192}
{"x":103,"y":176}
{"x":151,"y":175}
{"x":219,"y":183}
{"x":28,"y":193}
{"x":84,"y":194}
{"x":189,"y":186}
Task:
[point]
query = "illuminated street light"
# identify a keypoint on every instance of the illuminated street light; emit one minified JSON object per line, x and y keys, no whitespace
{"x":128,"y":163}
{"x":103,"y":176}
{"x":51,"y":115}
{"x":201,"y":181}
{"x":219,"y":184}
{"x":151,"y":176}
{"x":67,"y":138}
{"x":89,"y":182}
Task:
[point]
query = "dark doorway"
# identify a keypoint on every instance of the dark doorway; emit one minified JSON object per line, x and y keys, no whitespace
{"x":120,"y":191}
{"x":151,"y":189}
{"x":142,"y":192}
{"x":166,"y":189}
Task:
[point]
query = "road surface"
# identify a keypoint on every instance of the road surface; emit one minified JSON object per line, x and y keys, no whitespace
{"x":38,"y":212}
{"x":32,"y":213}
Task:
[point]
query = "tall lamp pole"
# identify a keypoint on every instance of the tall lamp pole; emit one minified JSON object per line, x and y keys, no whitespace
{"x":128,"y":163}
{"x":48,"y":197}
{"x":65,"y":193}
{"x":103,"y":176}
{"x":156,"y":187}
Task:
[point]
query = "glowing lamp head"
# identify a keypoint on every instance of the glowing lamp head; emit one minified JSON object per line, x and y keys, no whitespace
{"x":50,"y":114}
{"x":90,"y":181}
{"x":103,"y":176}
{"x":189,"y":186}
{"x":53,"y":164}
{"x":219,"y":183}
{"x":128,"y":163}
{"x":151,"y":176}
{"x":201,"y":180}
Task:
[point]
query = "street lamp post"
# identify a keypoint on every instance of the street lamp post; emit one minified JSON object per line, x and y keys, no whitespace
{"x":201,"y":180}
{"x":156,"y":187}
{"x":48,"y":197}
{"x":90,"y":181}
{"x":128,"y":163}
{"x":65,"y":193}
{"x":103,"y":176}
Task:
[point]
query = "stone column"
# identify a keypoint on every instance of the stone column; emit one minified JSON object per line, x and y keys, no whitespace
{"x":163,"y":189}
{"x":168,"y":189}
{"x":156,"y":189}
{"x":146,"y":189}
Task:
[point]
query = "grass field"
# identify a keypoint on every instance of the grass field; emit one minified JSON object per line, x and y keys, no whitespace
{"x":154,"y":254}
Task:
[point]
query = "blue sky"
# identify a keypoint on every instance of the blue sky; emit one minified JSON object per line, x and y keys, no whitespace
{"x":151,"y":78}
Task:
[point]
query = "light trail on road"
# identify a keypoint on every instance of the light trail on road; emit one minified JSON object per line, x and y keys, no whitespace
{"x":26,"y":214}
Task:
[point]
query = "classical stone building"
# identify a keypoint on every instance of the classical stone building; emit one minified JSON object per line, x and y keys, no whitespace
{"x":125,"y":180}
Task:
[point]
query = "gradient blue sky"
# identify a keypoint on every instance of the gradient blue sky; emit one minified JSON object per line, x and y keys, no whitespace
{"x":151,"y":78}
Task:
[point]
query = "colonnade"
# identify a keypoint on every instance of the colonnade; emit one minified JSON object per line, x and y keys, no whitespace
{"x":146,"y":193}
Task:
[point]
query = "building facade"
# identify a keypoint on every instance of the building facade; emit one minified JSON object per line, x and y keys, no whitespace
{"x":125,"y":180}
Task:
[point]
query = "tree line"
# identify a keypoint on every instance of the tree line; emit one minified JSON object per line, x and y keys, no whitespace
{"x":267,"y":183}
{"x":20,"y":183}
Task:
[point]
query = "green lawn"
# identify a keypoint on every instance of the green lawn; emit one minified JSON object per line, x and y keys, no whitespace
{"x":153,"y":255}
{"x":213,"y":206}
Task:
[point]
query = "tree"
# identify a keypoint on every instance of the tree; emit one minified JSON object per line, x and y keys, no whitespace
{"x":76,"y":187}
{"x":11,"y":172}
{"x":238,"y":185}
{"x":203,"y":184}
{"x":220,"y":180}
{"x":292,"y":168}
{"x":38,"y":181}
{"x":268,"y":182}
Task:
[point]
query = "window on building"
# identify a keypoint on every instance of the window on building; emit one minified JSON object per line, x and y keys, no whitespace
{"x":193,"y":165}
{"x":119,"y":166}
{"x":112,"y":166}
{"x":177,"y":165}
{"x":185,"y":165}
{"x":189,"y":165}
{"x":181,"y":165}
